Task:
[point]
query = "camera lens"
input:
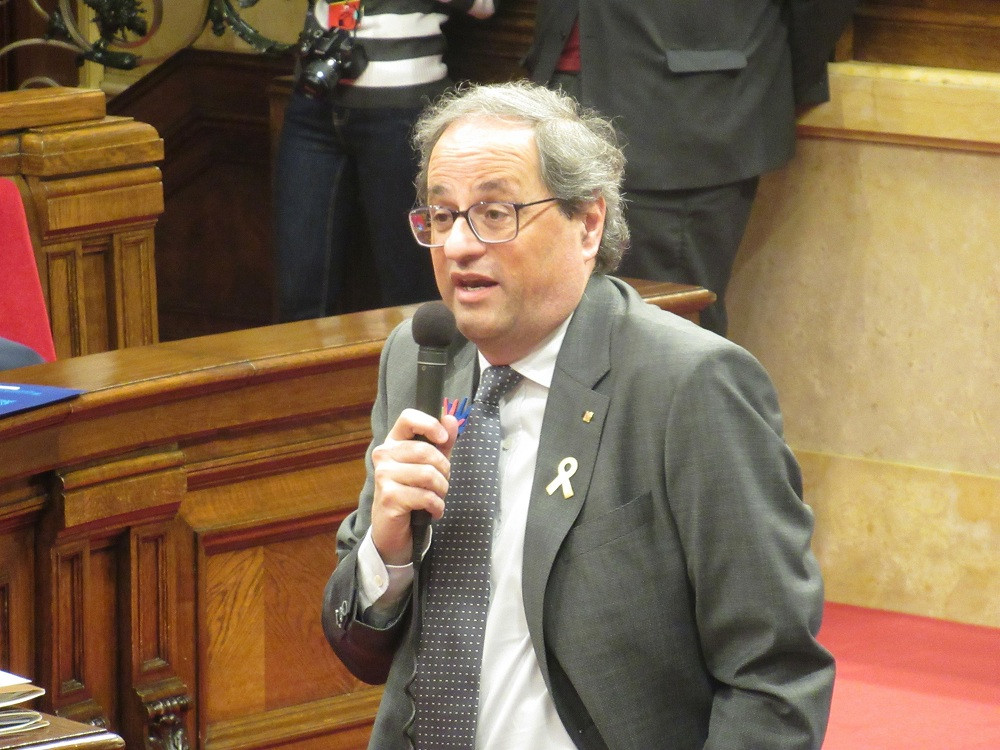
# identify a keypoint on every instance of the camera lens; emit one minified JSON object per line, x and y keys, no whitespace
{"x":320,"y":77}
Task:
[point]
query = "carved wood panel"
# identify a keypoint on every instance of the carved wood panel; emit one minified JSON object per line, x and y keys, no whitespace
{"x":101,"y":292}
{"x":92,"y":195}
{"x":68,"y":583}
{"x":213,"y":242}
{"x":113,"y":545}
{"x":148,"y":632}
{"x":17,"y":599}
{"x":263,"y":564}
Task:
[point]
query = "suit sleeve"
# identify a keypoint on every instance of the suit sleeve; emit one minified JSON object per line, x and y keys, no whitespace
{"x":365,"y":650}
{"x":553,"y":23}
{"x":814,"y":27}
{"x":735,"y":491}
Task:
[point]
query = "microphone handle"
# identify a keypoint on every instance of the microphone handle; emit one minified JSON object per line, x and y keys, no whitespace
{"x":431,"y":363}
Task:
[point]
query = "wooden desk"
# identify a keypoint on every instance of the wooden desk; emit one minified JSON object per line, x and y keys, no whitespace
{"x":165,"y":537}
{"x":62,"y":734}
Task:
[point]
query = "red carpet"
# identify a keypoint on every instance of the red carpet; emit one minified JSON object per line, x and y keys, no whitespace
{"x":911,"y":683}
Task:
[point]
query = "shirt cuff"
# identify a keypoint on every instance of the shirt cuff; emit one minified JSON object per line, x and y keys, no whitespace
{"x":378,"y":583}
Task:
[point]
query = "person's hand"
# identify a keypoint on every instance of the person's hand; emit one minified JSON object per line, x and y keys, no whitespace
{"x":409,"y":475}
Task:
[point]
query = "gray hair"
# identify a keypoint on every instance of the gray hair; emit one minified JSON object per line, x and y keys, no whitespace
{"x":578,"y":150}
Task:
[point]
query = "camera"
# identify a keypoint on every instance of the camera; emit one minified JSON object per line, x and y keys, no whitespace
{"x":325,"y":57}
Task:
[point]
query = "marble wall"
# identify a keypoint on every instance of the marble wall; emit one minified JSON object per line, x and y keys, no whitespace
{"x":869,"y":286}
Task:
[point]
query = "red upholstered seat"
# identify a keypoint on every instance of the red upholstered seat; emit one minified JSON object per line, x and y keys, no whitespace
{"x":23,"y":317}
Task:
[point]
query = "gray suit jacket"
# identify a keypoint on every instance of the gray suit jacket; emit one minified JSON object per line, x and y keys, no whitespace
{"x":703,"y":91}
{"x":673,"y":600}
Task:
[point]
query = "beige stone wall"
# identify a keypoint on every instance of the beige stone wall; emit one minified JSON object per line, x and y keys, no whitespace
{"x":869,"y":286}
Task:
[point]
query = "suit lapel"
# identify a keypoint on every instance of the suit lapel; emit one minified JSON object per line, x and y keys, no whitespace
{"x":572,"y":426}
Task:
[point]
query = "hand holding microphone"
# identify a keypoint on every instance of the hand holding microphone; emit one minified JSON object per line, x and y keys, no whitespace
{"x":433,"y":330}
{"x":411,"y":471}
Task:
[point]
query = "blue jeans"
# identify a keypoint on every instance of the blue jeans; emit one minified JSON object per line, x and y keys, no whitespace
{"x":344,"y":174}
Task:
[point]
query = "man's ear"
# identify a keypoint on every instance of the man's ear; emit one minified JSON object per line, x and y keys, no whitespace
{"x":592,"y":216}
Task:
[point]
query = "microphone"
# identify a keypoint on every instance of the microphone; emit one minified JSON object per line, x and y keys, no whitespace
{"x":433,"y":331}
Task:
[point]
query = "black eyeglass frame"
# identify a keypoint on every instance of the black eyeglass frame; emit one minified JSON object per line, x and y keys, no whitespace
{"x":455,"y":214}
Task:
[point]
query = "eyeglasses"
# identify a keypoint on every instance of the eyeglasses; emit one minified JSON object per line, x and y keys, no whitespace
{"x":491,"y":221}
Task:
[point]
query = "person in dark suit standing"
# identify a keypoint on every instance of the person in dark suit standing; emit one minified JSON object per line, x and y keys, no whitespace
{"x":705,"y":96}
{"x":650,"y":580}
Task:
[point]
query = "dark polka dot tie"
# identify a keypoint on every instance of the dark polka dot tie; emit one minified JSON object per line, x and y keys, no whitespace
{"x":449,"y":656}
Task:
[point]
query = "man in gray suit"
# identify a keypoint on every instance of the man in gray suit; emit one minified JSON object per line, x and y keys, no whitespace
{"x":651,"y":581}
{"x":704,"y":93}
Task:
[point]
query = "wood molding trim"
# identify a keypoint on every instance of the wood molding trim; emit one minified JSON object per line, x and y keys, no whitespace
{"x":247,"y":536}
{"x":932,"y":33}
{"x":343,"y":721}
{"x":930,"y":107}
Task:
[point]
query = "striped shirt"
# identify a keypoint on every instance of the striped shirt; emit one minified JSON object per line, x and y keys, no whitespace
{"x":404,"y":46}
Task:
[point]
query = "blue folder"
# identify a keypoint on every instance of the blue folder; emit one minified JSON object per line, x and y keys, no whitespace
{"x":18,"y":397}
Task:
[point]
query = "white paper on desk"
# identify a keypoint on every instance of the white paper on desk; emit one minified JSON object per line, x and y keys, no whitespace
{"x":15,"y":689}
{"x":27,"y":693}
{"x":8,"y":679}
{"x":20,"y":720}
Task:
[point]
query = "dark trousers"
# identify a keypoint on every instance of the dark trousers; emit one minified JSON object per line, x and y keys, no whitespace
{"x":688,"y":236}
{"x":344,"y":177}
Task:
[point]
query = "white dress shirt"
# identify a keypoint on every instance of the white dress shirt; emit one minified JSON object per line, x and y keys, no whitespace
{"x":516,"y":710}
